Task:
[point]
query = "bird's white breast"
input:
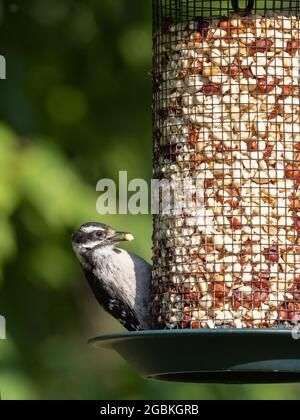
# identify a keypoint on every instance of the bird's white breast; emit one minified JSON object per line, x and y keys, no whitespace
{"x":128,"y":273}
{"x":117,"y":267}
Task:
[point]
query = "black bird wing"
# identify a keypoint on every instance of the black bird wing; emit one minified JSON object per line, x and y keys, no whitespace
{"x":113,"y":302}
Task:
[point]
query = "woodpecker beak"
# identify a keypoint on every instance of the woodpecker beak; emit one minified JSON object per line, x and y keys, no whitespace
{"x":118,"y":237}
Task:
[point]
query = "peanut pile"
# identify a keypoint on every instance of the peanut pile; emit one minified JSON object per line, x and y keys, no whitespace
{"x":227,"y":112}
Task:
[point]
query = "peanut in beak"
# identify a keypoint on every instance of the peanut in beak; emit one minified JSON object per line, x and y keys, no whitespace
{"x":129,"y":238}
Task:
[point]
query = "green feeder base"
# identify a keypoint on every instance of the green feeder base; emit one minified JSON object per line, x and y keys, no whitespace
{"x":210,"y":356}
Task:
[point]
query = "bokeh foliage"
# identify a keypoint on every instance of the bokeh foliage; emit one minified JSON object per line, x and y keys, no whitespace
{"x":76,"y":107}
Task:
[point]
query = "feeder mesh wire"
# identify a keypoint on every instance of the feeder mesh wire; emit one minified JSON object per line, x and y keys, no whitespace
{"x":227,"y":137}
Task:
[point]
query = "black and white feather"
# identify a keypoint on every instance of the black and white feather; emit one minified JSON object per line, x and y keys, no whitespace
{"x":120,"y":280}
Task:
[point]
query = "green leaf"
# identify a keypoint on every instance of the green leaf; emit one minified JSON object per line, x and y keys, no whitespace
{"x":15,"y":385}
{"x":9,"y":159}
{"x":52,"y":186}
{"x":7,"y":240}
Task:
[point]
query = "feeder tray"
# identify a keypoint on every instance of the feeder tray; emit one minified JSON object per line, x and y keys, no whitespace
{"x":210,"y":356}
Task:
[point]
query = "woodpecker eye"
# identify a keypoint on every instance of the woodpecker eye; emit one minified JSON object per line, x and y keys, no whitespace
{"x":99,"y":234}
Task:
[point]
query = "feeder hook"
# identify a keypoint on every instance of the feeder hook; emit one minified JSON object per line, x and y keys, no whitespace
{"x":247,"y":9}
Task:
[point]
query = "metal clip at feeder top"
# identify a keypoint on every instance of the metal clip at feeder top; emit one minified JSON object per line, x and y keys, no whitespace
{"x":248,"y":9}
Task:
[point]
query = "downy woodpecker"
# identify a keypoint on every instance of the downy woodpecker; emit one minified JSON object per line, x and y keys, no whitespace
{"x":120,"y":280}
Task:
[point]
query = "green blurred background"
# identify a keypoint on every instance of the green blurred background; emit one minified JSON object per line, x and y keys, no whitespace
{"x":76,"y":107}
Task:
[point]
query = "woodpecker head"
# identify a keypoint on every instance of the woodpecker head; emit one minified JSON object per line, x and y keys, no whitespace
{"x":97,"y":235}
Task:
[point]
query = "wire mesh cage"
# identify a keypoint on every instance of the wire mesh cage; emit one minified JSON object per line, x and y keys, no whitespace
{"x":227,"y":145}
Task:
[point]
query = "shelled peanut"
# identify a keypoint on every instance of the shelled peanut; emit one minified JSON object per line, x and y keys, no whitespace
{"x":227,"y":110}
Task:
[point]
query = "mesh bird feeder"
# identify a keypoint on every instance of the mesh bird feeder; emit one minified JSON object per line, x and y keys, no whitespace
{"x":226,"y":123}
{"x":226,"y":113}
